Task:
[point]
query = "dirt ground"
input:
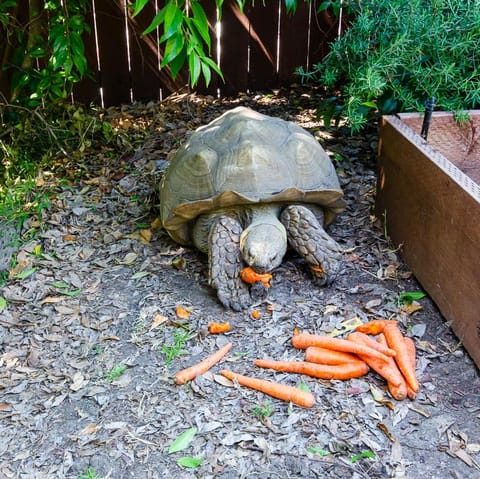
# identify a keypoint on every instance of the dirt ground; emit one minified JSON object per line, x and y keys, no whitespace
{"x":87,"y":339}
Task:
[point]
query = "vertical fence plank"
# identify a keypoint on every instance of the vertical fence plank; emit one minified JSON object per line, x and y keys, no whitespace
{"x":211,"y":12}
{"x":114,"y":75}
{"x":263,"y":45}
{"x":323,"y":30}
{"x":144,"y":56}
{"x":88,"y":90}
{"x":234,"y":49}
{"x":294,"y":36}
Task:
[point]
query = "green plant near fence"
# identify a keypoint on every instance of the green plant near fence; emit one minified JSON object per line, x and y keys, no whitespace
{"x":44,"y":57}
{"x":396,"y":54}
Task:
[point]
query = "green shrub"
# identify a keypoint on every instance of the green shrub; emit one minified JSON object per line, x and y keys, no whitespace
{"x":397,"y":53}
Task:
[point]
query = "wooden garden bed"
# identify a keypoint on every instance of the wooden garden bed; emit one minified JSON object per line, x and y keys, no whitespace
{"x":428,"y":194}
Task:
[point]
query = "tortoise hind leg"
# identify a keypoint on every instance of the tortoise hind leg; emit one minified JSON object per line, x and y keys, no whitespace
{"x":306,"y":235}
{"x":225,"y":263}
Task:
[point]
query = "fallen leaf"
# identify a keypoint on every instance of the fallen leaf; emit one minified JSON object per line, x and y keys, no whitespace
{"x":157,"y":321}
{"x":181,"y":312}
{"x":3,"y":303}
{"x":78,"y":381}
{"x":89,"y":429}
{"x":146,"y":234}
{"x":69,"y":237}
{"x":183,"y":440}
{"x":156,"y":224}
{"x":190,"y":462}
{"x":179,"y":263}
{"x":5,"y":406}
{"x":411,"y":308}
{"x":129,"y":258}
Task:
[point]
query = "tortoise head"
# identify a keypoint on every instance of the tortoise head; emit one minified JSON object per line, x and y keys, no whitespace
{"x":263,"y":245}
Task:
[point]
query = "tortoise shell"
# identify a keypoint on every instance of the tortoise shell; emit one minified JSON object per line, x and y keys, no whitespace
{"x":245,"y":158}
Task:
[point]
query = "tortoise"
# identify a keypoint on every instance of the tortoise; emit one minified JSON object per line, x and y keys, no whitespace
{"x":244,"y":187}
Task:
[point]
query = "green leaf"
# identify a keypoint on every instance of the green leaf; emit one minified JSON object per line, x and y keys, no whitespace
{"x":190,"y":462}
{"x":323,"y":6}
{"x":201,"y":21}
{"x":173,"y":21}
{"x":291,"y":5}
{"x":25,"y":274}
{"x":3,"y":303}
{"x":408,"y":297}
{"x":369,"y":104}
{"x":182,"y":441}
{"x":138,"y":7}
{"x":157,"y":20}
{"x":195,"y":67}
{"x":364,"y":454}
{"x":303,"y":387}
{"x":173,"y":48}
{"x":317,"y":450}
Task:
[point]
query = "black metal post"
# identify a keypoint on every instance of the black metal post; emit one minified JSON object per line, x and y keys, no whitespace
{"x":429,"y":104}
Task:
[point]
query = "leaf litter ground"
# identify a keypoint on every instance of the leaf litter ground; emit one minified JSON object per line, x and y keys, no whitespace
{"x":92,"y":335}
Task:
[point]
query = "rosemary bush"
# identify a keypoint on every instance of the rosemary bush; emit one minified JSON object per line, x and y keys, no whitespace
{"x":397,"y":54}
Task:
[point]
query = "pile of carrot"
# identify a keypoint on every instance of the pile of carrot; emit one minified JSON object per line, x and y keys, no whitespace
{"x":391,"y":355}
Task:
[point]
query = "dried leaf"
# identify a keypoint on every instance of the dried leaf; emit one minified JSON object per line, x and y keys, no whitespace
{"x":78,"y":381}
{"x":146,"y":234}
{"x":69,"y":237}
{"x":156,"y":223}
{"x":157,"y":321}
{"x":181,"y":312}
{"x":89,"y":429}
{"x":129,"y":258}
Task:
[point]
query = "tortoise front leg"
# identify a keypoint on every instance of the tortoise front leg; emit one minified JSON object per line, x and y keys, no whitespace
{"x":306,"y":235}
{"x":225,"y":263}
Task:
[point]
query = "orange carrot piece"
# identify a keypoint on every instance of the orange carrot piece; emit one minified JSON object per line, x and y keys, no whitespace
{"x":374,"y":327}
{"x":304,"y":340}
{"x":366,"y":340}
{"x":315,"y":354}
{"x":202,"y":367}
{"x":412,"y":350}
{"x":217,"y":328}
{"x":396,"y":341}
{"x":398,"y":391}
{"x":384,"y":367}
{"x":322,"y":371}
{"x":280,"y":391}
{"x":250,"y":276}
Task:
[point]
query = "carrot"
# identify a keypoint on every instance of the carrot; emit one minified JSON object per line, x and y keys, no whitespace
{"x":217,"y":328}
{"x":374,"y":327}
{"x":366,"y":340}
{"x":280,"y":391}
{"x":385,"y":367}
{"x":398,"y":391}
{"x":202,"y":367}
{"x":314,"y":354}
{"x":396,"y":341}
{"x":304,"y":340}
{"x":322,"y":371}
{"x":412,"y":353}
{"x":250,"y":276}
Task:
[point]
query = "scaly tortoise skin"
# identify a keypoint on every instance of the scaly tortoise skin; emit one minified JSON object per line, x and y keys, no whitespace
{"x":243,"y":187}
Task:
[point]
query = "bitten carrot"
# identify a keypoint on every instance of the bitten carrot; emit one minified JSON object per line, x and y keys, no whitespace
{"x":374,"y":327}
{"x":217,"y":328}
{"x":366,"y":340}
{"x":314,"y":354}
{"x":304,"y":340}
{"x":322,"y":371}
{"x":412,"y":350}
{"x":202,"y":367}
{"x":250,"y":276}
{"x":280,"y":391}
{"x":396,"y":341}
{"x":398,"y":391}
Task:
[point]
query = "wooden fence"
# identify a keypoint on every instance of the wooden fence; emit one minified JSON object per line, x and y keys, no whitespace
{"x":257,"y":50}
